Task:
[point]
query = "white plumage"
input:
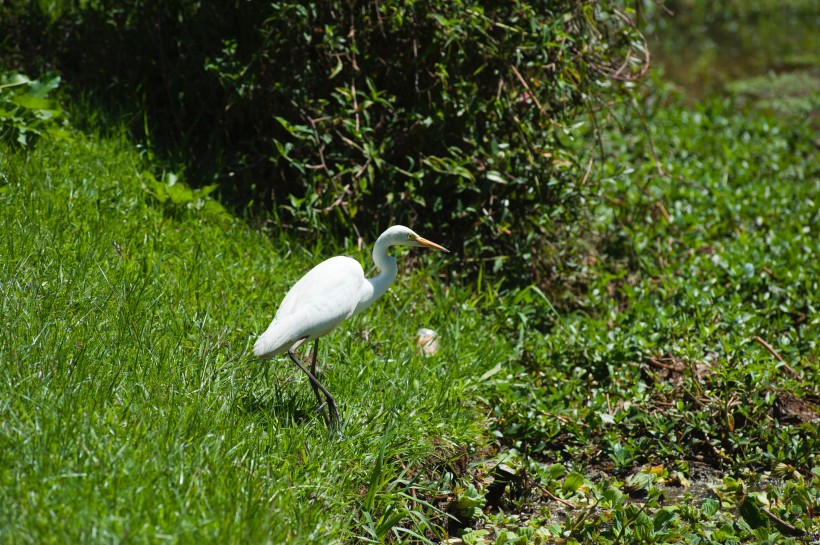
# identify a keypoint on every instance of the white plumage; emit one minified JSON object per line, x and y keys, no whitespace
{"x":328,"y":294}
{"x":315,"y":305}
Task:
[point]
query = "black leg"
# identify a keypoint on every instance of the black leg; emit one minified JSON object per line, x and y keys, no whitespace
{"x":332,"y":418}
{"x":322,"y":402}
{"x":333,"y":413}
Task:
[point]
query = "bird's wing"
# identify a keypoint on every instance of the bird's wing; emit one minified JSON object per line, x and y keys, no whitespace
{"x":332,"y":288}
{"x":316,"y":304}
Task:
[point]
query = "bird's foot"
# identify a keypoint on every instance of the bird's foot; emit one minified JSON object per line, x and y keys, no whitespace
{"x":333,"y":422}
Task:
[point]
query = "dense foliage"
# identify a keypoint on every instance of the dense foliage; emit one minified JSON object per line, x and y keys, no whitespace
{"x":670,"y":337}
{"x":454,"y":117}
{"x":131,"y":409}
{"x":676,"y":398}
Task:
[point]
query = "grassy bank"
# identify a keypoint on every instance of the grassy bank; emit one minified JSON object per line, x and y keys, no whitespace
{"x":131,"y":409}
{"x":675,"y":399}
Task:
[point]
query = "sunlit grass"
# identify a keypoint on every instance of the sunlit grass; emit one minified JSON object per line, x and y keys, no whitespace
{"x":131,"y":408}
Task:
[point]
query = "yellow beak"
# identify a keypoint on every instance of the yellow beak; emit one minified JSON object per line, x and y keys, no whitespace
{"x":428,"y":244}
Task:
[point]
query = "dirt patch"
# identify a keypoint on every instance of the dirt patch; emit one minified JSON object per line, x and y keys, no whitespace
{"x":791,"y":409}
{"x":787,"y":407}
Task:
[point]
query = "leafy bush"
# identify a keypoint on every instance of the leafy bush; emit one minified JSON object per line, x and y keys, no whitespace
{"x":455,"y":117}
{"x":27,"y":112}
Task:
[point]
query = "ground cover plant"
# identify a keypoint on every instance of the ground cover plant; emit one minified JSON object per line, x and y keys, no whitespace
{"x":663,"y":409}
{"x":688,"y":378}
{"x":656,"y":381}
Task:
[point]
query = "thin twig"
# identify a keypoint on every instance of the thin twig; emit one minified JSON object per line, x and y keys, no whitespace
{"x":663,"y":211}
{"x":552,"y":496}
{"x":768,"y":347}
{"x":527,"y":87}
{"x":656,"y":363}
{"x":355,"y":102}
{"x":339,"y":200}
{"x":321,"y":146}
{"x":362,"y":169}
{"x":794,"y":374}
{"x":589,"y":169}
{"x":782,"y":525}
{"x":768,"y":271}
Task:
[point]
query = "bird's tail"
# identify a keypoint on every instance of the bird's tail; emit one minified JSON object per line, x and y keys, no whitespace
{"x":275,"y":340}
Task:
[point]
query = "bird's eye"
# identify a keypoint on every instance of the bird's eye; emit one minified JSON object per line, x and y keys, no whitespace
{"x":409,"y":237}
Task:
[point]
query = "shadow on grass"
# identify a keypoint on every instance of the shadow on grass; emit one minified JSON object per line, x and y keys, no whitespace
{"x":286,"y":409}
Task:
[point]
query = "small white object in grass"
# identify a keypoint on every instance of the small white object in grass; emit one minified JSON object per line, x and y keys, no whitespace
{"x":427,"y":341}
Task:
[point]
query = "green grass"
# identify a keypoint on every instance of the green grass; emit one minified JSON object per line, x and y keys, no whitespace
{"x":130,"y":408}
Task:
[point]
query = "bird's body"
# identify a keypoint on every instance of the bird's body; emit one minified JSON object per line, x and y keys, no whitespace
{"x":328,"y":294}
{"x":315,"y":305}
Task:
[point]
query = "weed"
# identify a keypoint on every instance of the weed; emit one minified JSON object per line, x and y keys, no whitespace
{"x":27,"y":112}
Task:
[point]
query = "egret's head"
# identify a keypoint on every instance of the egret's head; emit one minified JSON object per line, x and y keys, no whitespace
{"x":400,"y":235}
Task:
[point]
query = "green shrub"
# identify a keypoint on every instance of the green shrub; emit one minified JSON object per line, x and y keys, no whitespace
{"x":27,"y":112}
{"x":457,"y":117}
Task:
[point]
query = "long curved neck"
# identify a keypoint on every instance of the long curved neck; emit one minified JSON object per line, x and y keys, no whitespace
{"x":387,"y":269}
{"x":387,"y":273}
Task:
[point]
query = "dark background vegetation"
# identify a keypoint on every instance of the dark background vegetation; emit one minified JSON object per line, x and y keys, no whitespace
{"x":345,"y":117}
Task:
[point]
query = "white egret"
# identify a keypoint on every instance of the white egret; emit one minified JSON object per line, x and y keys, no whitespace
{"x":329,"y":293}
